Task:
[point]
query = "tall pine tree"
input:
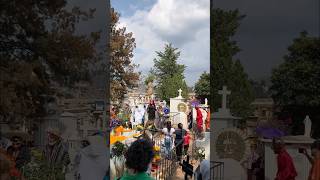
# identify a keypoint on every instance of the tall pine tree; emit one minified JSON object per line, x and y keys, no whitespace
{"x":224,"y":69}
{"x":169,"y":74}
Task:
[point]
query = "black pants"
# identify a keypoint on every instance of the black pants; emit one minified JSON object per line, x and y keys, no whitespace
{"x":185,"y":149}
{"x":179,"y":150}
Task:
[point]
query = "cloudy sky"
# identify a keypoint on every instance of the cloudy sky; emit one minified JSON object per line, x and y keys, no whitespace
{"x":184,"y":23}
{"x":269,"y":28}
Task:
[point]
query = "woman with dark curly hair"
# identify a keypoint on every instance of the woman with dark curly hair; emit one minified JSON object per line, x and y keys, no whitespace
{"x":138,"y":160}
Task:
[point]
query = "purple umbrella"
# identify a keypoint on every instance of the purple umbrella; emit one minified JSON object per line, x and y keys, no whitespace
{"x":195,"y":103}
{"x":269,"y":133}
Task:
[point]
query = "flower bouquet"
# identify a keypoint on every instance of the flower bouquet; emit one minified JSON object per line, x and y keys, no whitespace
{"x":117,"y":153}
{"x":139,"y":128}
{"x":200,"y":153}
{"x":156,"y":158}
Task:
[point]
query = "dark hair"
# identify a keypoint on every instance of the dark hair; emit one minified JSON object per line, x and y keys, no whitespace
{"x":180,"y":126}
{"x":168,"y":125}
{"x":139,"y":155}
{"x":15,"y":138}
{"x":316,"y":145}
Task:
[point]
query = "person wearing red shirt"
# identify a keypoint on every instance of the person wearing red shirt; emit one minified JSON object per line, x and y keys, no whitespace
{"x":199,"y":120}
{"x":286,"y":169}
{"x":186,"y":141}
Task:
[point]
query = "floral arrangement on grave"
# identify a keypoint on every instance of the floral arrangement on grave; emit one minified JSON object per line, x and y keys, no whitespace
{"x":118,"y":149}
{"x":37,"y":168}
{"x":200,"y":153}
{"x":139,"y":128}
{"x":117,"y":153}
{"x":118,"y":130}
{"x":152,"y":128}
{"x":157,"y":158}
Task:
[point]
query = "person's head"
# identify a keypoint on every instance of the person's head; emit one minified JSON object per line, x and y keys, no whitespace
{"x":277,"y":145}
{"x":253,"y":147}
{"x":16,"y":142}
{"x":139,"y":155}
{"x":180,"y":126}
{"x":315,"y":149}
{"x":54,"y":136}
{"x":168,"y":125}
{"x":187,"y":132}
{"x":137,"y":107}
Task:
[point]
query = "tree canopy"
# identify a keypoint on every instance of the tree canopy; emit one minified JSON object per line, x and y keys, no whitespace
{"x":169,"y":74}
{"x":225,"y":70}
{"x":38,"y":47}
{"x":296,"y":82}
{"x":122,"y":70}
{"x":202,"y":86}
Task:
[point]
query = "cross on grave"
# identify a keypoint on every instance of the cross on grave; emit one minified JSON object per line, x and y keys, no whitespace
{"x":180,"y":91}
{"x":224,"y":92}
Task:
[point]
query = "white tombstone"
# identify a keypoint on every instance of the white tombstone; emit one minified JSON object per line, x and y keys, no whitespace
{"x":70,"y":132}
{"x":178,"y":110}
{"x":223,"y":118}
{"x":205,"y":143}
{"x":225,"y":122}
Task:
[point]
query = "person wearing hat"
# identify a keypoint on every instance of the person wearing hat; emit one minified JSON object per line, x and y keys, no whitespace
{"x":55,"y":152}
{"x":19,"y":152}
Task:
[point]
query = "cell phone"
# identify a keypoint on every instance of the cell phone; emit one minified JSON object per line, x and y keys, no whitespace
{"x":301,"y":150}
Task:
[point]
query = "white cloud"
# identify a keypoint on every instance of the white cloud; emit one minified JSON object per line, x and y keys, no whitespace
{"x":184,"y":23}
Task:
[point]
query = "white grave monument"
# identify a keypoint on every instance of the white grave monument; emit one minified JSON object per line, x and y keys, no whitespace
{"x":178,"y":110}
{"x":229,"y":144}
{"x":293,"y":143}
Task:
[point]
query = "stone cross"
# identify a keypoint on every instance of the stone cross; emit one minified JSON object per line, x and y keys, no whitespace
{"x":180,"y":91}
{"x":224,"y":92}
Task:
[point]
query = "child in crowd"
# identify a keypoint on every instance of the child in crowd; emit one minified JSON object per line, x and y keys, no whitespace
{"x":186,"y":141}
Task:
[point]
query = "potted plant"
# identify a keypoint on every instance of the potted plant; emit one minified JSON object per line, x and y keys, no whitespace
{"x":117,"y":153}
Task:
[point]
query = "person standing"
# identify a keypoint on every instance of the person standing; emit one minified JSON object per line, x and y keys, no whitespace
{"x":314,"y":159}
{"x":55,"y":152}
{"x":168,"y":132}
{"x":199,"y":121}
{"x":151,"y":110}
{"x":186,"y":142}
{"x":19,"y":152}
{"x":180,"y":132}
{"x":286,"y":169}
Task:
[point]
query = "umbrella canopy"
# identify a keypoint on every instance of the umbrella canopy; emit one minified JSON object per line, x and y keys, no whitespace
{"x":269,"y":132}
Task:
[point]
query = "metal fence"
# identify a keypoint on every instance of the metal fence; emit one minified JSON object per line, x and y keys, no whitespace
{"x":216,"y":170}
{"x":168,"y":164}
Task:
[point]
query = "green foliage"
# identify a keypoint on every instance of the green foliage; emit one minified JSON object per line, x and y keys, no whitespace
{"x":224,"y":69}
{"x":202,"y":86}
{"x":296,"y":82}
{"x":118,"y":149}
{"x":150,"y":78}
{"x":122,"y":70}
{"x":38,"y":169}
{"x":39,"y":47}
{"x":169,"y":74}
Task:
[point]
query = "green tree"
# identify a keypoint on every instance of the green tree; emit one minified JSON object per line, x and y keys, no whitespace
{"x":202,"y":86}
{"x":38,"y":47}
{"x":296,"y":83}
{"x":122,"y":70}
{"x":169,"y":74}
{"x":224,"y":70}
